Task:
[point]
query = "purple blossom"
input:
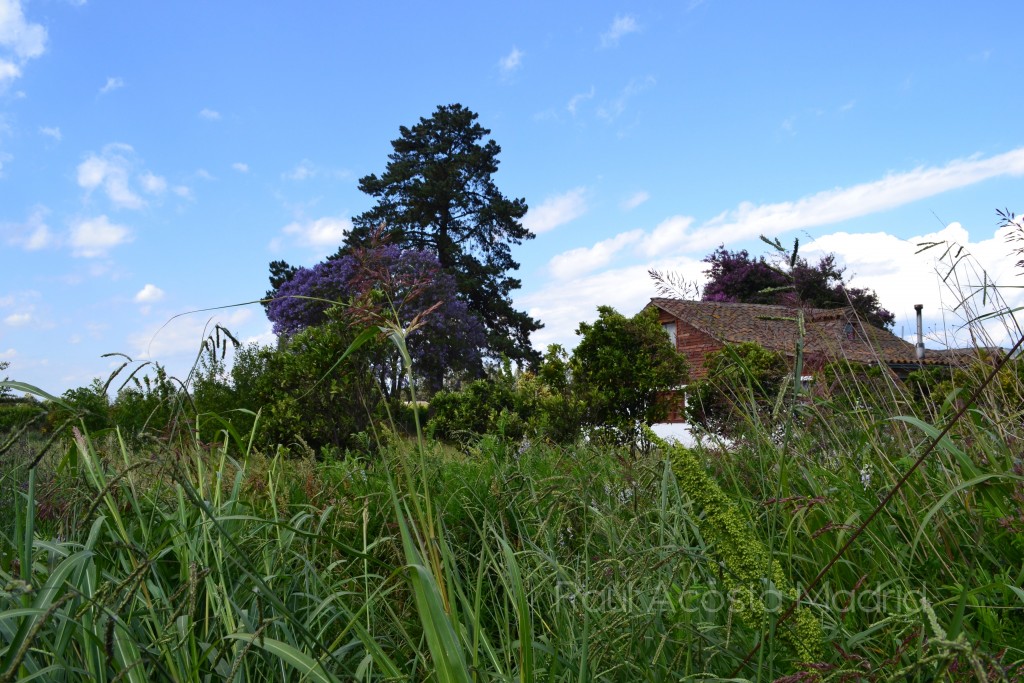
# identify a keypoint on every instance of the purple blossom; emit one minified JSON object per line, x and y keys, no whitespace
{"x":387,"y":284}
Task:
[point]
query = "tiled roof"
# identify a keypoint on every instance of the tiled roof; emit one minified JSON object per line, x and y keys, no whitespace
{"x":834,"y":333}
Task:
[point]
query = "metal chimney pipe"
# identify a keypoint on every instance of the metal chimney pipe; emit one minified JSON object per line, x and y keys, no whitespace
{"x":919,"y":347}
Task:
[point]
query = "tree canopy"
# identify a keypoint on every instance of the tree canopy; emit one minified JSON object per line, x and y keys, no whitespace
{"x":438,"y":194}
{"x":4,"y":391}
{"x":386,"y":284}
{"x":734,"y":276}
{"x":620,"y":366}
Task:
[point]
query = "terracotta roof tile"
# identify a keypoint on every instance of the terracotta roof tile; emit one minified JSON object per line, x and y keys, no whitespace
{"x":834,"y":333}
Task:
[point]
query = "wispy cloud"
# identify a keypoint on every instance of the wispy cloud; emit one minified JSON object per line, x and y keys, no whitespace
{"x":667,"y":237}
{"x":209,"y":114}
{"x":113,"y":83}
{"x":183,"y":335}
{"x":110,"y":170}
{"x":613,"y":109}
{"x":304,"y":170}
{"x":833,"y":206}
{"x":576,"y":262}
{"x":50,"y":132}
{"x":307,"y":170}
{"x":621,"y":26}
{"x":576,"y":100}
{"x":18,"y":319}
{"x":321,"y":234}
{"x":240,"y":167}
{"x":34,"y":233}
{"x":94,"y":237}
{"x":511,"y":62}
{"x":153,"y":184}
{"x":634,"y":200}
{"x":148,"y":295}
{"x":557,"y":210}
{"x":20,"y":41}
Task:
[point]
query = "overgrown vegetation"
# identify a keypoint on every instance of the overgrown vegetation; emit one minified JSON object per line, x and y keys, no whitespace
{"x":299,"y":514}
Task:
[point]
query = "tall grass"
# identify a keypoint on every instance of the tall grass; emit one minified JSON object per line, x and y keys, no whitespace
{"x":181,"y":560}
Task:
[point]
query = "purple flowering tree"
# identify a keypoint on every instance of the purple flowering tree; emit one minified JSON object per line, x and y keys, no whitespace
{"x":733,"y":276}
{"x":381,"y":285}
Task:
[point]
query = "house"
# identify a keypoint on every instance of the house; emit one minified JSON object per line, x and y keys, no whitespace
{"x":698,"y":328}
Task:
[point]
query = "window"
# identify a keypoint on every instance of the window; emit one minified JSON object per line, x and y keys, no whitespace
{"x":670,"y":330}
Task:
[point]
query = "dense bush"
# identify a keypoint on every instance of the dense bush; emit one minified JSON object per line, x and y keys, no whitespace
{"x":742,"y":387}
{"x":620,"y":369}
{"x":16,"y":414}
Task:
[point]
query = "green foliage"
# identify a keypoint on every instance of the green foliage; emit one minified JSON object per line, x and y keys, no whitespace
{"x":5,"y":392}
{"x":300,"y":390}
{"x":620,"y":368}
{"x":750,"y":573}
{"x":90,"y":404}
{"x":16,"y":414}
{"x":742,"y":385}
{"x":147,"y":405}
{"x":510,"y":405}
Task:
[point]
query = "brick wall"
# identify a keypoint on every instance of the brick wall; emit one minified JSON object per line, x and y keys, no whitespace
{"x":693,"y":344}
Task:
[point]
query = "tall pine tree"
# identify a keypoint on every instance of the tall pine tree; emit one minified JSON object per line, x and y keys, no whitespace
{"x":437,"y":194}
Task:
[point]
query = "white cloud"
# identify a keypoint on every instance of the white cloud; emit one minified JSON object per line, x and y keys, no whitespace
{"x":39,"y":238}
{"x":240,"y":167}
{"x":613,"y":109}
{"x":634,"y":200}
{"x":303,"y":171}
{"x":149,"y":294}
{"x":113,"y":83}
{"x":306,"y":169}
{"x":578,"y":98}
{"x":110,"y":170}
{"x":96,"y":236}
{"x":562,"y":304}
{"x":621,"y":26}
{"x":50,"y":132}
{"x":20,"y":41}
{"x":576,"y":262}
{"x":322,"y":233}
{"x":18,"y":319}
{"x":34,"y":233}
{"x":8,"y":73}
{"x":511,"y":62}
{"x":182,"y":191}
{"x":209,"y":114}
{"x":667,"y":237}
{"x":205,"y":175}
{"x":833,"y":206}
{"x":183,"y":335}
{"x":153,"y":184}
{"x":903,"y":275}
{"x":556,"y":210}
{"x":8,"y":354}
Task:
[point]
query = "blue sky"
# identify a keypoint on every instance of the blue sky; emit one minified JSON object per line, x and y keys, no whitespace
{"x":154,"y":157}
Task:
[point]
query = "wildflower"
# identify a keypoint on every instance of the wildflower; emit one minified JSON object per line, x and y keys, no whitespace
{"x":865,"y":475}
